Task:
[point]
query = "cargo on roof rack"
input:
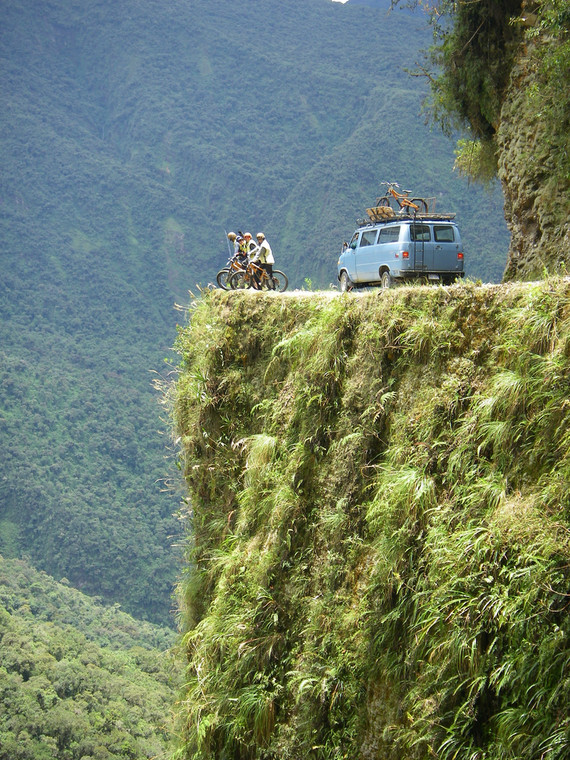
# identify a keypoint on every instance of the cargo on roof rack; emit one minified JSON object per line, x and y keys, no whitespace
{"x":387,"y":214}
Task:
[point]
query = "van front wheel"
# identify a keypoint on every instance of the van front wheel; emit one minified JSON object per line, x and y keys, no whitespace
{"x":386,"y":280}
{"x":345,"y":282}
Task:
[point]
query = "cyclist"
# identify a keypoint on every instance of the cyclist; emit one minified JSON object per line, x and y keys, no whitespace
{"x":232,"y":237}
{"x":243,"y":248}
{"x":250,"y":242}
{"x":264,"y":256}
{"x":240,"y":248}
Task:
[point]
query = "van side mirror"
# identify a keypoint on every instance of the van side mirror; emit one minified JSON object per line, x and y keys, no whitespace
{"x":353,"y":245}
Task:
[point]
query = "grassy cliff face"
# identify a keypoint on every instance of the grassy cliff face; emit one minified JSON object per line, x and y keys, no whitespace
{"x":379,"y":517}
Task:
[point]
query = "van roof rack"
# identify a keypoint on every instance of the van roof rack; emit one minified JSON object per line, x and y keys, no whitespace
{"x":385,"y":214}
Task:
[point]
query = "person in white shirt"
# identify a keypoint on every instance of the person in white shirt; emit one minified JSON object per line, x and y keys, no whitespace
{"x":264,"y":255}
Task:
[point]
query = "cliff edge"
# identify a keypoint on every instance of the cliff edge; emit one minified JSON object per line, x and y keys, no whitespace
{"x":378,"y":555}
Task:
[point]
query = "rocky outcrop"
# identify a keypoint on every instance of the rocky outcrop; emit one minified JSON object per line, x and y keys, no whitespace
{"x":533,"y":168}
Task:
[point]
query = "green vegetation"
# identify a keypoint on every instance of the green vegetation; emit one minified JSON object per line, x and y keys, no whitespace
{"x":476,"y":44}
{"x":472,"y":55}
{"x":132,"y":136}
{"x":378,"y":554}
{"x":78,"y":681}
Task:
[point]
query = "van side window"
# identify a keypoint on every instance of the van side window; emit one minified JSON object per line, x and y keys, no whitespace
{"x":368,"y":237}
{"x":443,"y":233}
{"x":419,"y":232}
{"x":389,"y":235}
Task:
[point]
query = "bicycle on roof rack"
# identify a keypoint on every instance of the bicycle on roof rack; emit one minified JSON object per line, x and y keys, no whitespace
{"x":405,"y":205}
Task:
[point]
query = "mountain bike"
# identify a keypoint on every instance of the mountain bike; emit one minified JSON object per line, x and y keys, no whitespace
{"x":405,"y":205}
{"x":237,"y":263}
{"x":257,"y":277}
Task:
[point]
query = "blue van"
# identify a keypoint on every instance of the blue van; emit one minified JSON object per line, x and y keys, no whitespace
{"x":400,"y":249}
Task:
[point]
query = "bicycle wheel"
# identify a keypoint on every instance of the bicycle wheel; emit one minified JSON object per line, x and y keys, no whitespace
{"x":383,"y":201}
{"x":239,"y":281}
{"x":223,"y":278}
{"x":280,"y":280}
{"x":421,"y":204}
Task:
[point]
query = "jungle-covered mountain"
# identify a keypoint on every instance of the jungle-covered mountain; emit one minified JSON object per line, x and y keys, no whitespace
{"x":79,"y":681}
{"x":133,"y":135}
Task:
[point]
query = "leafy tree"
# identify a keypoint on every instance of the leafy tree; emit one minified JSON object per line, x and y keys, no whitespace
{"x":476,"y":43}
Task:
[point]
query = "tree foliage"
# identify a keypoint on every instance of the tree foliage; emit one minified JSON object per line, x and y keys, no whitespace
{"x":78,"y":681}
{"x":475,"y":45}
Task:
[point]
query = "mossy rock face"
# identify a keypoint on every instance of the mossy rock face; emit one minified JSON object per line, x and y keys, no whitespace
{"x":504,"y":77}
{"x":534,"y":163}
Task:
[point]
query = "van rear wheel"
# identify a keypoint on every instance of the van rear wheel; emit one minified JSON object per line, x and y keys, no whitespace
{"x":386,"y":280}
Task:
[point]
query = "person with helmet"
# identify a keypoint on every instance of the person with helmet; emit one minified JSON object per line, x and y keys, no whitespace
{"x":264,"y":256}
{"x":240,"y":249}
{"x":243,"y":248}
{"x":251,"y":244}
{"x":232,"y":237}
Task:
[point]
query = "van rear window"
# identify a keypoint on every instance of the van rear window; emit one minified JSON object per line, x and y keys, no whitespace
{"x":389,"y":235}
{"x":443,"y":233}
{"x":419,"y":232}
{"x":368,"y":237}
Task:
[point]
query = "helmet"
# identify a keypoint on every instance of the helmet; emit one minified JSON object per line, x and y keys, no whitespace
{"x":260,"y":236}
{"x":247,"y":235}
{"x":231,"y":235}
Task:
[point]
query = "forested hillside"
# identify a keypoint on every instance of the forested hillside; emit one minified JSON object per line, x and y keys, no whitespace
{"x":380,"y":560}
{"x":79,"y":681}
{"x":133,"y":135}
